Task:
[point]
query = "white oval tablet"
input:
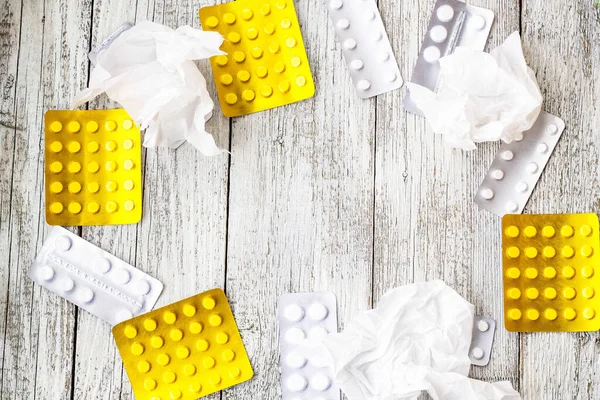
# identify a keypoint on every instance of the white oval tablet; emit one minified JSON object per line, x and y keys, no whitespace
{"x":445,"y":13}
{"x":363,"y":85}
{"x":357,"y":65}
{"x":295,"y":335}
{"x":63,"y":243}
{"x":102,"y":265}
{"x":477,"y":353}
{"x":46,"y":273}
{"x":438,"y":33}
{"x":296,"y":383}
{"x":483,"y":325}
{"x":85,"y":295}
{"x":293,"y":312}
{"x":343,"y":24}
{"x":431,"y":54}
{"x":497,"y":174}
{"x":487,"y":194}
{"x":121,"y":276}
{"x":66,"y":284}
{"x":142,"y":287}
{"x":295,"y":360}
{"x":320,"y":382}
{"x":317,"y":311}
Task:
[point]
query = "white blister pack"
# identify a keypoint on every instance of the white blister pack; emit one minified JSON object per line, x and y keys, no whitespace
{"x":452,"y":24}
{"x":93,"y":279}
{"x":93,"y":55}
{"x":365,"y":46}
{"x":305,"y":319}
{"x":518,"y":166}
{"x":482,"y":340}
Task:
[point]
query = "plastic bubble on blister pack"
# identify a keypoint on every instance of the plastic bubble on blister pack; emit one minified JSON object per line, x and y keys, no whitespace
{"x":549,"y":264}
{"x":518,"y":165}
{"x":304,"y":320}
{"x":452,"y":24}
{"x":186,"y":350}
{"x":93,"y":279}
{"x":92,"y":167}
{"x":482,"y":340}
{"x":266,"y":64}
{"x":365,"y":46}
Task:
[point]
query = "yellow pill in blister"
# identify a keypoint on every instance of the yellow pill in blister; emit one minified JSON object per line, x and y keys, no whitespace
{"x":512,"y":231}
{"x":169,"y":377}
{"x":549,"y":252}
{"x":566,"y":231}
{"x":56,"y":147}
{"x":189,"y":310}
{"x":514,"y":314}
{"x":183,"y":352}
{"x":279,"y":67}
{"x":513,"y":273}
{"x":248,"y":95}
{"x":548,"y":232}
{"x":74,"y":147}
{"x":290,"y":42}
{"x":234,"y":37}
{"x":93,"y":167}
{"x":295,"y":61}
{"x":231,"y":98}
{"x":215,"y":320}
{"x":55,"y":126}
{"x":93,"y":187}
{"x":533,"y":314}
{"x":531,"y":273}
{"x":247,"y":14}
{"x":74,"y":167}
{"x":111,"y":166}
{"x":92,"y":126}
{"x":74,"y":207}
{"x":530,"y":231}
{"x":56,"y":208}
{"x":284,"y":86}
{"x":229,"y":18}
{"x":111,"y":145}
{"x":202,"y":345}
{"x":589,"y":313}
{"x":130,"y":331}
{"x":110,"y":126}
{"x":261,"y":71}
{"x":137,"y":348}
{"x":532,"y":293}
{"x":208,"y":362}
{"x":568,"y":272}
{"x":74,"y":126}
{"x":222,"y":338}
{"x":128,"y":144}
{"x":111,"y":186}
{"x":531,"y":252}
{"x":585,"y":230}
{"x":93,"y":147}
{"x":550,"y":293}
{"x":163,"y":359}
{"x":195,"y":387}
{"x":150,"y":384}
{"x":274,"y":47}
{"x":567,"y":252}
{"x":111,"y":206}
{"x":286,"y":23}
{"x":239,"y":56}
{"x":215,"y":379}
{"x":56,"y":187}
{"x":128,"y":185}
{"x":195,"y":327}
{"x":586,"y":250}
{"x":550,"y":314}
{"x":208,"y":302}
{"x":513,"y":252}
{"x":569,"y":293}
{"x":189,"y":369}
{"x":549,"y":272}
{"x":256,"y":53}
{"x":127,"y":124}
{"x":169,"y":317}
{"x":228,"y":355}
{"x":93,"y":207}
{"x":56,"y":167}
{"x":143,"y":366}
{"x":157,"y":342}
{"x":150,"y":324}
{"x":569,"y":314}
{"x":234,"y":372}
{"x":587,"y":271}
{"x":212,"y":22}
{"x":300,"y":81}
{"x":226,"y":79}
{"x":74,"y":187}
{"x":221,"y":60}
{"x":252,"y":33}
{"x":266,"y":91}
{"x":128,"y":205}
{"x":514,"y":293}
{"x":269,"y":28}
{"x":587,"y":292}
{"x":176,"y":334}
{"x":243,"y":75}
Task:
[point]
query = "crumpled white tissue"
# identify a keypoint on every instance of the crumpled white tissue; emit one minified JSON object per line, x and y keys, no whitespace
{"x":417,"y":339}
{"x":149,"y":70}
{"x":481,"y":97}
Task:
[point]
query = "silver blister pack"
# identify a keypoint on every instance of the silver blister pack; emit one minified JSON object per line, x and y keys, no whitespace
{"x":365,"y":46}
{"x":518,"y":166}
{"x":452,"y":24}
{"x":93,"y":56}
{"x":482,"y":340}
{"x":305,"y":319}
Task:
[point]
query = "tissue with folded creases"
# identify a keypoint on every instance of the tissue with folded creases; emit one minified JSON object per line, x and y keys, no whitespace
{"x":481,"y":97}
{"x":417,"y":339}
{"x":149,"y":70}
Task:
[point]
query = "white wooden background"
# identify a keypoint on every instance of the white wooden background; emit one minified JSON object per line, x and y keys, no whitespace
{"x":334,"y":193}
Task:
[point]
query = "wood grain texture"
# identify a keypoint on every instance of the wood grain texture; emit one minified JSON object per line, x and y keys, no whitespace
{"x":333,"y":193}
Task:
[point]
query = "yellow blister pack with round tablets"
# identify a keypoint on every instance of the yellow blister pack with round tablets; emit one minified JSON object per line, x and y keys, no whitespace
{"x":185,"y":350}
{"x":551,"y":272}
{"x":266,"y":64}
{"x":92,"y":167}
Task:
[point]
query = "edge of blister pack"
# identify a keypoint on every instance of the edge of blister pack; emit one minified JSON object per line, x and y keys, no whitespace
{"x":452,"y":24}
{"x":297,"y":327}
{"x":482,"y":340}
{"x":365,"y":46}
{"x":93,"y":55}
{"x":101,"y":284}
{"x":517,"y":167}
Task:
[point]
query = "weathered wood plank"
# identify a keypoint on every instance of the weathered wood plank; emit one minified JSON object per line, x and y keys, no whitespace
{"x":181,"y":239}
{"x":301,"y":203}
{"x":38,"y":336}
{"x":426,"y":224}
{"x":561,"y":42}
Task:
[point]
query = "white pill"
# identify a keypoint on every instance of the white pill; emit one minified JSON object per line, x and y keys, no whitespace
{"x":317,"y":312}
{"x":317,"y":333}
{"x":357,"y":65}
{"x":519,"y":137}
{"x":392,"y":76}
{"x":369,"y":15}
{"x":377,"y":36}
{"x":293,"y":312}
{"x":532,"y":168}
{"x":343,"y":24}
{"x":552,"y":129}
{"x":85,"y":295}
{"x":124,"y":315}
{"x":507,"y":155}
{"x":295,"y":335}
{"x":522,"y":187}
{"x":479,"y":22}
{"x":335,"y":4}
{"x":62,"y":243}
{"x":512,"y":206}
{"x":497,"y":174}
{"x":384,"y":56}
{"x":296,"y":383}
{"x":487,"y":194}
{"x":483,"y":326}
{"x":142,"y":287}
{"x":295,"y":360}
{"x":46,"y":273}
{"x":320,"y":382}
{"x":477,"y":353}
{"x":542,"y":148}
{"x":121,"y":276}
{"x":438,"y":33}
{"x":350,"y":44}
{"x":363,"y":85}
{"x":102,"y":265}
{"x":66,"y":284}
{"x":431,"y":54}
{"x":445,"y":13}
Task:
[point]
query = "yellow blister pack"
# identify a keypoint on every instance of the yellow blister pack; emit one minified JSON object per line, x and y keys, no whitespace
{"x":550,"y":272}
{"x":186,"y":350}
{"x":92,"y":167}
{"x":266,"y":64}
